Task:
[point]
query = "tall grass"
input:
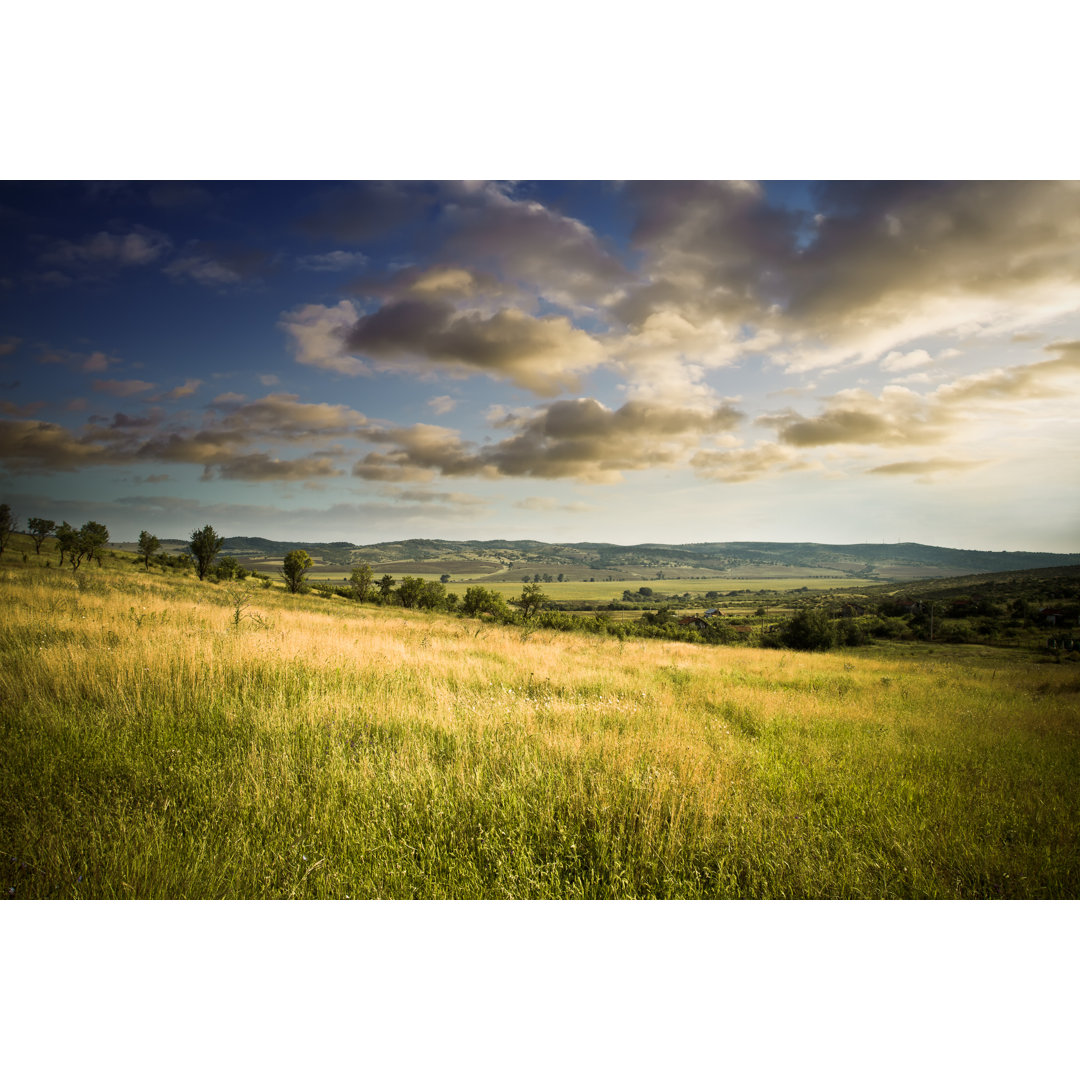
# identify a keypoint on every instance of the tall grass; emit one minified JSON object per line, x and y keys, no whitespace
{"x":161,"y":738}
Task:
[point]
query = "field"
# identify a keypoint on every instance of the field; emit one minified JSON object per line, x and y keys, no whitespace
{"x":604,"y":591}
{"x":164,"y":737}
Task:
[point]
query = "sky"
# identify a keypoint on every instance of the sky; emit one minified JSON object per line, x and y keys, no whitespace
{"x":629,"y":362}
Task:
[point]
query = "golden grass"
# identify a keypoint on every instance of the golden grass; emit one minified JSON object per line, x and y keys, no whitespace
{"x":156,"y":746}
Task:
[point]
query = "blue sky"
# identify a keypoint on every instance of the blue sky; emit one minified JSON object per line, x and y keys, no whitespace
{"x":625,"y":362}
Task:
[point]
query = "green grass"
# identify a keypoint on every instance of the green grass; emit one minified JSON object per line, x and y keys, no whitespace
{"x":603,"y":591}
{"x":152,"y":747}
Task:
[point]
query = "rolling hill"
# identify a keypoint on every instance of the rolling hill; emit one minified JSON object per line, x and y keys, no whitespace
{"x":886,"y":562}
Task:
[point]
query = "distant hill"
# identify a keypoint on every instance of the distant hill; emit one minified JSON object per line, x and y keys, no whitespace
{"x":886,"y":562}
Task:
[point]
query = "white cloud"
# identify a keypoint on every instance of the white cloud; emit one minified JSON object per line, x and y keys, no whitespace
{"x":319,"y":336}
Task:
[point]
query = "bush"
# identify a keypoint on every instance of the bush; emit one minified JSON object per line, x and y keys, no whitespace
{"x":808,"y":631}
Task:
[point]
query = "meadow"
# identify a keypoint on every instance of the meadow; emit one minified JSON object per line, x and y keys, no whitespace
{"x":165,"y":737}
{"x":604,"y":591}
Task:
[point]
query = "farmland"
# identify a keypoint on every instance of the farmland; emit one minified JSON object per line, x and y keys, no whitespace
{"x":166,"y":737}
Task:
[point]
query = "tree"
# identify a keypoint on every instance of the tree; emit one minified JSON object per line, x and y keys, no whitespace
{"x":293,"y":569}
{"x":361,"y":581}
{"x":445,"y":579}
{"x":8,"y":524}
{"x":39,"y":529}
{"x":808,"y":630}
{"x":68,"y":539}
{"x":410,"y":591}
{"x":205,"y":545}
{"x":226,"y":569}
{"x":148,"y":544}
{"x":531,"y":600}
{"x":386,"y":586}
{"x":432,"y":595}
{"x":93,"y":536}
{"x":479,"y":600}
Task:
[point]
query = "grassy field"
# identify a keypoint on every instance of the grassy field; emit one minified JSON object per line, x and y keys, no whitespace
{"x":603,"y":591}
{"x":162,"y":737}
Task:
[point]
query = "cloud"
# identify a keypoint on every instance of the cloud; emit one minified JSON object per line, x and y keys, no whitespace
{"x":8,"y":345}
{"x":319,"y":337}
{"x":541,"y":354}
{"x":122,"y":387}
{"x":285,"y":416}
{"x":924,"y":468}
{"x":1038,"y":380}
{"x":899,"y":362}
{"x":92,"y":363}
{"x":742,"y":465}
{"x":569,"y":439}
{"x":536,"y":246}
{"x":204,"y":270}
{"x":220,"y":270}
{"x":228,"y":441}
{"x":38,"y":446}
{"x":547,"y":505}
{"x":261,"y":466}
{"x":10,"y":408}
{"x":331,"y":261}
{"x":892,"y":262}
{"x":899,"y":416}
{"x":883,"y":264}
{"x":442,"y":405}
{"x":140,"y":247}
{"x":184,"y":390}
{"x":453,"y":498}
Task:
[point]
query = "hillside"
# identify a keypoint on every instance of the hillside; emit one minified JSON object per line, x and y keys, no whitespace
{"x":164,"y":737}
{"x":887,"y":562}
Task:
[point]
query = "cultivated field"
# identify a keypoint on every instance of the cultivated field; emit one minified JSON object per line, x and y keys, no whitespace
{"x":162,"y":737}
{"x":604,"y":591}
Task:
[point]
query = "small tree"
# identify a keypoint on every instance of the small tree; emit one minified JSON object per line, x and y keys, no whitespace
{"x":294,"y":567}
{"x":93,"y":537}
{"x":410,"y":591}
{"x":445,"y":579}
{"x":205,"y":545}
{"x":479,"y":600}
{"x":531,"y":600}
{"x":39,"y":529}
{"x":361,"y":582}
{"x":386,"y":586}
{"x":432,"y":595}
{"x":8,"y":524}
{"x":148,"y":544}
{"x":226,"y":569}
{"x":68,"y":539}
